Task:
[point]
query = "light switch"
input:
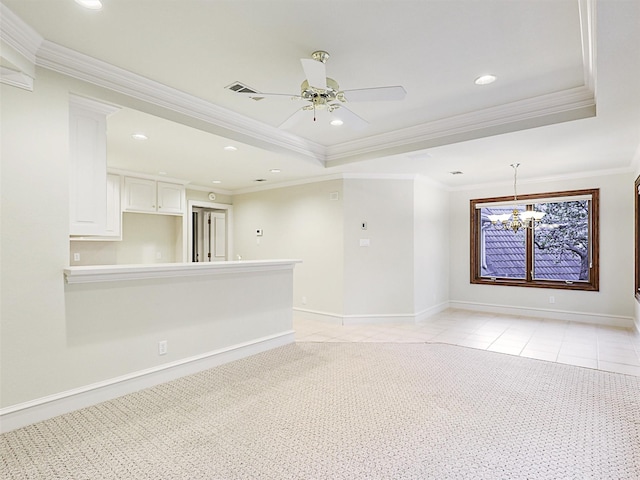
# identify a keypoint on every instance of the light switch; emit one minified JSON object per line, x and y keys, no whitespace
{"x":364,"y":242}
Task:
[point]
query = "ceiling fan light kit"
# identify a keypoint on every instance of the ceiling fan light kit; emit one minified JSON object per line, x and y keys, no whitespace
{"x":323,"y":93}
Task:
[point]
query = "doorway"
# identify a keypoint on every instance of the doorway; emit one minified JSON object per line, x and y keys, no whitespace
{"x":209,"y":232}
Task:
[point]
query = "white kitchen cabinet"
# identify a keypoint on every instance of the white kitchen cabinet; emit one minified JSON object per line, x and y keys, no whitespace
{"x":139,"y":195}
{"x":171,"y":197}
{"x":113,"y":219}
{"x":114,"y":212}
{"x":150,"y":196}
{"x":88,"y":166}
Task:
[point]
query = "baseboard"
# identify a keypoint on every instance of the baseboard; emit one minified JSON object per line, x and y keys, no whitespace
{"x":317,"y":316}
{"x":23,"y":414}
{"x":369,"y":319}
{"x":580,"y":317}
{"x":429,"y":312}
{"x":590,"y":318}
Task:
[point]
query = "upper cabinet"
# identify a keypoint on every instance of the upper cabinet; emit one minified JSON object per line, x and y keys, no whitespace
{"x":171,"y":198}
{"x":114,"y":212}
{"x":151,"y":196}
{"x":88,"y":166}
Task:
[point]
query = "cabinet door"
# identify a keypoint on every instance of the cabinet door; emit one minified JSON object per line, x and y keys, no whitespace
{"x":114,"y":212}
{"x":139,"y":194}
{"x":88,"y":171}
{"x":171,"y":198}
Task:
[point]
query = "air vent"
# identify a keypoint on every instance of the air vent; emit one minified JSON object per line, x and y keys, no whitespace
{"x":242,"y":88}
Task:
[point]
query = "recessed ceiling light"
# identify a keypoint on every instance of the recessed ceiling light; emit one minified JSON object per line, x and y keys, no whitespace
{"x":216,"y":181}
{"x":260,"y":180}
{"x":139,"y":136}
{"x":230,"y":148}
{"x":90,"y":4}
{"x":485,"y":79}
{"x":336,"y":122}
{"x":275,"y":170}
{"x":162,"y":173}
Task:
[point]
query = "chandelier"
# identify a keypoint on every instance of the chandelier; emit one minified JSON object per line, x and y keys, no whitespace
{"x":516,"y":220}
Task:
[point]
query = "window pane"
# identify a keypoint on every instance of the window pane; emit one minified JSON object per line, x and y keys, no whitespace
{"x":561,"y":242}
{"x":502,"y":251}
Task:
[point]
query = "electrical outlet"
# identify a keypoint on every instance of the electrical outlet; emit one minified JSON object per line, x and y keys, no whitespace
{"x":304,"y":300}
{"x":76,"y":257}
{"x":162,"y":347}
{"x":552,"y":299}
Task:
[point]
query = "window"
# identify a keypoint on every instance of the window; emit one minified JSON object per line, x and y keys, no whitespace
{"x":561,"y":252}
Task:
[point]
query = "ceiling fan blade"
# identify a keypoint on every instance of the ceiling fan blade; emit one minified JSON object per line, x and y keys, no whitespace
{"x":349,"y":118}
{"x":315,"y":72}
{"x":293,"y":120}
{"x":375,"y":94}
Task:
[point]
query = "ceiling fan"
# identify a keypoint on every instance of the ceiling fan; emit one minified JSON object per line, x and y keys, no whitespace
{"x":323,"y":93}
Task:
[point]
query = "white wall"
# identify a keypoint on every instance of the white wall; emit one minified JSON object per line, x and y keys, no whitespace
{"x":35,"y":241}
{"x":378,"y":279}
{"x":431,"y":247}
{"x":150,"y":239}
{"x":146,"y":238}
{"x":614,"y":300}
{"x":402,"y":274}
{"x":113,"y":329}
{"x":298,"y":222}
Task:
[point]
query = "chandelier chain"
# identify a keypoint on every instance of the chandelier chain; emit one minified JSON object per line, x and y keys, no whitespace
{"x":515,"y":178}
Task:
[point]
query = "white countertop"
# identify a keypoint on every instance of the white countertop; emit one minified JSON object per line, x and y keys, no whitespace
{"x":114,"y":273}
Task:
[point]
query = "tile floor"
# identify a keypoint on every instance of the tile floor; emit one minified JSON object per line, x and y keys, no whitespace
{"x":593,"y":346}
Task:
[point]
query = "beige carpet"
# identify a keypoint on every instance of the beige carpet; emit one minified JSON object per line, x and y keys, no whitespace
{"x":350,"y":411}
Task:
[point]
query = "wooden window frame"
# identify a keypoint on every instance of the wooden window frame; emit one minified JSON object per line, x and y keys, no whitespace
{"x":594,"y":275}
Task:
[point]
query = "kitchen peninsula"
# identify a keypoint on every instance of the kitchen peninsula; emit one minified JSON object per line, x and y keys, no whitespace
{"x":142,"y":325}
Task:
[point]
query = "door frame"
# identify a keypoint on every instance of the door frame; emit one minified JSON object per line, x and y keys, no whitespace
{"x":188,"y":232}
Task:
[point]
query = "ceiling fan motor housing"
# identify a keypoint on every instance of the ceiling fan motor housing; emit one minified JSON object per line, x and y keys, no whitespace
{"x":321,"y":96}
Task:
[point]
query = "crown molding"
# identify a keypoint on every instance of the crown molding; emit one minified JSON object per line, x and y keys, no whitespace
{"x":335,"y":176}
{"x":536,"y":180}
{"x":92,"y":105}
{"x":587,"y":12}
{"x":147,"y":176}
{"x":547,"y":109}
{"x":18,"y":35}
{"x":565,"y":105}
{"x":200,"y":188}
{"x":290,"y":183}
{"x":15,"y":78}
{"x":77,"y":65}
